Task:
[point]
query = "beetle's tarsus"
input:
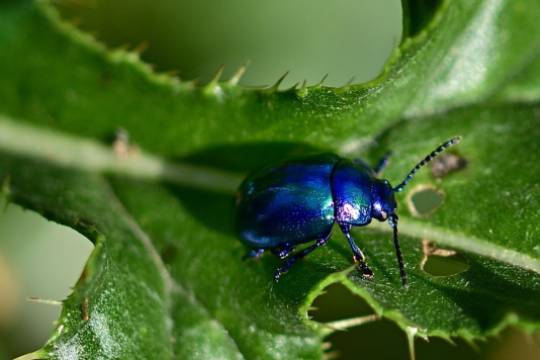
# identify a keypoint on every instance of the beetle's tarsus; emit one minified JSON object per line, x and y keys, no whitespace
{"x":279,"y":272}
{"x":300,"y":254}
{"x":366,"y":271}
{"x":286,"y":266}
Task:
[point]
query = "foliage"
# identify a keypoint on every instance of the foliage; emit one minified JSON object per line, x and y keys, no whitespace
{"x":165,"y":277}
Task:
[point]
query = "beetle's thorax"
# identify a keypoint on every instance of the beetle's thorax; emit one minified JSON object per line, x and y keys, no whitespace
{"x":383,"y":202}
{"x":351,"y":192}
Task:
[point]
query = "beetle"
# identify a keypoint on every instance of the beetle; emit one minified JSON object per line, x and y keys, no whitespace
{"x":299,"y":201}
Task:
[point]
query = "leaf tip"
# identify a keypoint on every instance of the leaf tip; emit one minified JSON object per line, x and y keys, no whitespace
{"x":217,"y":75}
{"x":276,"y":85}
{"x":349,"y":83}
{"x":321,"y":82}
{"x":235,"y":79}
{"x":214,"y":88}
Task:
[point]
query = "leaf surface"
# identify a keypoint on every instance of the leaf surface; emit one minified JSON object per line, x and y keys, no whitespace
{"x":165,"y":279}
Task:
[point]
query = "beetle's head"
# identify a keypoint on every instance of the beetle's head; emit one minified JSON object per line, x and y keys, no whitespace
{"x":383,"y":201}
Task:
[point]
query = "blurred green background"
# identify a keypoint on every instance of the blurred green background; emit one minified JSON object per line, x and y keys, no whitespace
{"x":310,"y":38}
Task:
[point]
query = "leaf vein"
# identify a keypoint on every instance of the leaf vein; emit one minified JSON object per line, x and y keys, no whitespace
{"x":170,"y":285}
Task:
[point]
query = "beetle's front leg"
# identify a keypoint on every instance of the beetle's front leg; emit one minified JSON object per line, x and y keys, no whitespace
{"x":358,"y":255}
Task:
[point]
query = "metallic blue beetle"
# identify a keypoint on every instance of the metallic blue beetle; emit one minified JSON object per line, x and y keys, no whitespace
{"x":300,"y":200}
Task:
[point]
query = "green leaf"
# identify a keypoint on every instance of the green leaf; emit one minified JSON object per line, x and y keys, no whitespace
{"x":524,"y":87}
{"x":165,"y":279}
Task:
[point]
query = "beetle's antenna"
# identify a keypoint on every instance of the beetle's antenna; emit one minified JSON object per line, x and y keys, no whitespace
{"x":393,"y":221}
{"x":426,"y":160}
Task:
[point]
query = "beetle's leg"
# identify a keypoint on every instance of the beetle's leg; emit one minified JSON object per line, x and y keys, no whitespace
{"x":293,"y":258}
{"x":382,"y":163}
{"x":253,"y":254}
{"x":283,"y":251}
{"x":358,"y":255}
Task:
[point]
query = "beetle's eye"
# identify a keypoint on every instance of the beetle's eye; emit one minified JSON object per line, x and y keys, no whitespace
{"x":384,"y":215}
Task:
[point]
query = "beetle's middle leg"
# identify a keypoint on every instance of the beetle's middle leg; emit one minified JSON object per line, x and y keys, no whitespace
{"x":294,"y":257}
{"x":358,"y":255}
{"x":283,"y":251}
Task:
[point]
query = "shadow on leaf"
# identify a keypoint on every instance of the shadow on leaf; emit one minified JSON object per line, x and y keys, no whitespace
{"x":216,"y":210}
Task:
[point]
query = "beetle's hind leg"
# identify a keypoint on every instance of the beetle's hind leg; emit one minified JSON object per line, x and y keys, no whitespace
{"x":294,"y":257}
{"x":358,"y":255}
{"x":253,"y":254}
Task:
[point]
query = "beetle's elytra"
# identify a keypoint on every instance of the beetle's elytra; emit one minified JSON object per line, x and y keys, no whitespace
{"x":299,"y":201}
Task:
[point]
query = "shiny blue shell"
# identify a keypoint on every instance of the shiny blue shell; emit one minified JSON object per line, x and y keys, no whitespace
{"x":299,"y":200}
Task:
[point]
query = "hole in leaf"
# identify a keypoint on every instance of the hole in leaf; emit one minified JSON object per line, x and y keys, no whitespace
{"x":442,"y":262}
{"x":383,"y":339}
{"x":445,"y":266}
{"x":336,"y":303}
{"x":424,"y":200}
{"x":45,"y":260}
{"x":447,"y":164}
